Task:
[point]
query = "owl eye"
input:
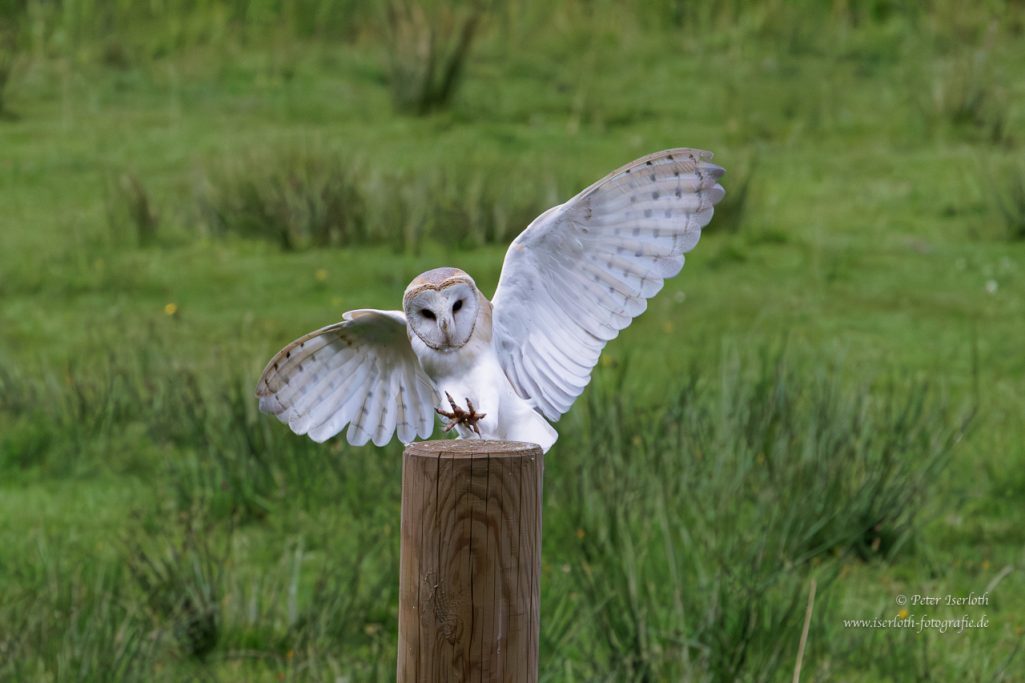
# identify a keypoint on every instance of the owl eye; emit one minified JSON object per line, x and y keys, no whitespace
{"x":457,"y":305}
{"x":427,"y":313}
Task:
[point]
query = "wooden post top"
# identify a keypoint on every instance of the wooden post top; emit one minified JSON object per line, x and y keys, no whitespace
{"x":468,"y":448}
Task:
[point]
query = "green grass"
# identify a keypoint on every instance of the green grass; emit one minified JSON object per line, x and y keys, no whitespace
{"x":796,"y":404}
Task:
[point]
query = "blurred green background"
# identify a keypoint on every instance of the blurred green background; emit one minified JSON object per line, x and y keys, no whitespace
{"x":833,"y":388}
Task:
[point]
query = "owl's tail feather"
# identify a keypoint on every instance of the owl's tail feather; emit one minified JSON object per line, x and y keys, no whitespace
{"x":536,"y":429}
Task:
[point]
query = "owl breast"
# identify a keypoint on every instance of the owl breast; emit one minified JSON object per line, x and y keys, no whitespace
{"x":473,"y":372}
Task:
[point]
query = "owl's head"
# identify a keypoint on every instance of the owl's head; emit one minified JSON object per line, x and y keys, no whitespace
{"x":441,"y":308}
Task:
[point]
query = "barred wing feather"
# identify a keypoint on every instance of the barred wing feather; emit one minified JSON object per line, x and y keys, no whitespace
{"x":360,"y":372}
{"x":583,"y":270}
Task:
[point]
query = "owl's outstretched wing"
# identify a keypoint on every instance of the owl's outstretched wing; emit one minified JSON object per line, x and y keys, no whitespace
{"x":360,"y":372}
{"x":583,"y":270}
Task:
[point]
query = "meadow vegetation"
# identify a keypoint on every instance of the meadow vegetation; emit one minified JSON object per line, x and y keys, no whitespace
{"x":831,"y":390}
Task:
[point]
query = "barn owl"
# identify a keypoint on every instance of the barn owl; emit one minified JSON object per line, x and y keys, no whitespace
{"x":579,"y":273}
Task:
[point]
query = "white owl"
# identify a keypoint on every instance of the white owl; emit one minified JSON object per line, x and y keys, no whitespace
{"x":580,"y":273}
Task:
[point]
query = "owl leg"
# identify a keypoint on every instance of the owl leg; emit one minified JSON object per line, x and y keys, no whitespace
{"x":470,"y":417}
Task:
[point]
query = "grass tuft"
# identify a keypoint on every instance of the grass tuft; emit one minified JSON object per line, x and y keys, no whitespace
{"x":297,"y":199}
{"x":1009,"y":197}
{"x":181,"y":583}
{"x":966,"y":96}
{"x":429,"y":45}
{"x":75,"y":623}
{"x":300,"y":199}
{"x":8,"y":57}
{"x":131,"y":215}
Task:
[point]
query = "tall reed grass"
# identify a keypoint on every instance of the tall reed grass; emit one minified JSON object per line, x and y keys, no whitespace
{"x":690,"y":528}
{"x":299,"y":198}
{"x":131,"y":213}
{"x":1009,"y":198}
{"x":9,"y":44}
{"x":429,"y":46}
{"x":679,"y":535}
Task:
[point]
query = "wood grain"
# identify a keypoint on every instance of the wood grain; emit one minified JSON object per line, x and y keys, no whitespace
{"x":469,"y":588}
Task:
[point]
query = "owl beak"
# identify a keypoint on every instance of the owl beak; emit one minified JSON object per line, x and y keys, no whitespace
{"x":444,"y":330}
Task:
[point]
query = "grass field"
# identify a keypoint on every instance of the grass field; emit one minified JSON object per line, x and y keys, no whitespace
{"x":833,"y":388}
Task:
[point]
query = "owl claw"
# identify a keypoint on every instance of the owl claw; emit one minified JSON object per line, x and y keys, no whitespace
{"x":459,"y":416}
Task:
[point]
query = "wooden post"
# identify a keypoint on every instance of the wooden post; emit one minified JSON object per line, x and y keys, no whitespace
{"x":469,"y":589}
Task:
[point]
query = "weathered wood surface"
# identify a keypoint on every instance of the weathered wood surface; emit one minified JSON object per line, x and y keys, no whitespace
{"x":469,"y":589}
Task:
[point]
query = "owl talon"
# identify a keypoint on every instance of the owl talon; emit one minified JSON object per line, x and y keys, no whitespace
{"x":459,"y":416}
